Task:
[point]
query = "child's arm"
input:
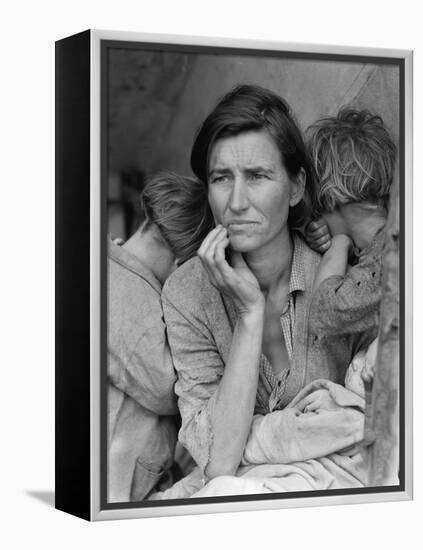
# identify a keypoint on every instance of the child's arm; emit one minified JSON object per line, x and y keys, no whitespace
{"x":335,"y":260}
{"x":348,"y":302}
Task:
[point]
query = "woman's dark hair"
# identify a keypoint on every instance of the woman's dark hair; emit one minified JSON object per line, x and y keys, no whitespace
{"x":247,"y":108}
{"x":354,"y":158}
{"x":178,"y":207}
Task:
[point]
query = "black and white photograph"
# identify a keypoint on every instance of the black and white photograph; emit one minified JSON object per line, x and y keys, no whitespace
{"x":210,"y":295}
{"x":253,"y":274}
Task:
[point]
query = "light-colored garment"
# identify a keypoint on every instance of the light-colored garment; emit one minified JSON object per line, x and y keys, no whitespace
{"x":350,"y":304}
{"x":322,"y":419}
{"x":322,"y":430}
{"x":313,"y":444}
{"x":141,"y":400}
{"x":200,"y":324}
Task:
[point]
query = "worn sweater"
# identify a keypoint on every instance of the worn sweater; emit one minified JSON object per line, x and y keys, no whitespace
{"x":141,"y":402}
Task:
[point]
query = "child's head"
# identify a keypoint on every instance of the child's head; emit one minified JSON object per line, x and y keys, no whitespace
{"x":354,"y":158}
{"x":177,"y":206}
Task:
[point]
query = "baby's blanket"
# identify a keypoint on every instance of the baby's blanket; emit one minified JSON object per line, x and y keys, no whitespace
{"x":314,"y":443}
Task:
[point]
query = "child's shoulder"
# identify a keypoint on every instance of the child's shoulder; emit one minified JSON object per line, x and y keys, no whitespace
{"x":374,"y":251}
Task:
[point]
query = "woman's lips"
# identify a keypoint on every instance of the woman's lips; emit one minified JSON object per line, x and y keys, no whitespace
{"x":240,"y":222}
{"x":240,"y":225}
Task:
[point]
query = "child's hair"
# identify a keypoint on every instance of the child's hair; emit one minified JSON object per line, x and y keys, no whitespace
{"x":178,"y":207}
{"x":354,"y":158}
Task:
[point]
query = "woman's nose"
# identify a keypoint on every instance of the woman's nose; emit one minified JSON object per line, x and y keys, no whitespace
{"x":238,"y":200}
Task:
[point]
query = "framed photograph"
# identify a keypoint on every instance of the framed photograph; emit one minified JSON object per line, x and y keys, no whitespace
{"x":233,"y":275}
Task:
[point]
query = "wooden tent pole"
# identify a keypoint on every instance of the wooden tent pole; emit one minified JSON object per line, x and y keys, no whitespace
{"x":382,"y":410}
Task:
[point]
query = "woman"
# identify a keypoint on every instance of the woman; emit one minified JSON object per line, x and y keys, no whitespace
{"x":237,"y":315}
{"x":141,"y":400}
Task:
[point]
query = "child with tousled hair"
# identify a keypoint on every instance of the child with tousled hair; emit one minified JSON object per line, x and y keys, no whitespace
{"x":142,"y":410}
{"x":354,"y":159}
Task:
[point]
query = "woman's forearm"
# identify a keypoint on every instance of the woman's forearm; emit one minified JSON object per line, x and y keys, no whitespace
{"x":234,"y":401}
{"x":230,"y":409}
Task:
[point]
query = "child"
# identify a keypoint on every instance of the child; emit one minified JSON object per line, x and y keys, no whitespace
{"x":354,"y":158}
{"x":141,"y":404}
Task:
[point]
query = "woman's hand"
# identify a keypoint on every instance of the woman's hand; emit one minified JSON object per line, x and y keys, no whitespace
{"x":236,"y":281}
{"x":231,"y":418}
{"x":318,"y":235}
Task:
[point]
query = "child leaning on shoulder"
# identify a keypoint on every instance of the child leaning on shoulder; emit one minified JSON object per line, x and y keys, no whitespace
{"x":354,"y":159}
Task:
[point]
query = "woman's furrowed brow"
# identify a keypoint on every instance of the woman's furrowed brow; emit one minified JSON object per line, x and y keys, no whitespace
{"x":253,"y":169}
{"x":219,"y":171}
{"x":259,"y":168}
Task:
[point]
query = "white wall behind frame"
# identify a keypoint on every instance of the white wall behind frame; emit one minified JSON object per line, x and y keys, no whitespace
{"x":26,"y":289}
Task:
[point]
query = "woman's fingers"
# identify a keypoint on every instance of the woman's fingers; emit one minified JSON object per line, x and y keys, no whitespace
{"x":212,"y":246}
{"x":222,"y":271}
{"x":207,"y":248}
{"x":220,"y":258}
{"x":205,"y":245}
{"x":237,"y":280}
{"x":215,"y":242}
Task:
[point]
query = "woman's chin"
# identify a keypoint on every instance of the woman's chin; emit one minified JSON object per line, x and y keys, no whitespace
{"x":242,"y":244}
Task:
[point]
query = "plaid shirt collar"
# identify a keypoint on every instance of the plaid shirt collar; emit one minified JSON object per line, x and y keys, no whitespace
{"x":296,"y":281}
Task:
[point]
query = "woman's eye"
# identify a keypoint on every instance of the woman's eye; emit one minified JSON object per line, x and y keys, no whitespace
{"x":259,"y":176}
{"x":219,"y":179}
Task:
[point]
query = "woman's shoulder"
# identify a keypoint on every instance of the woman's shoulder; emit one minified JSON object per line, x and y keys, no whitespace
{"x":307,"y":258}
{"x":188,"y":283}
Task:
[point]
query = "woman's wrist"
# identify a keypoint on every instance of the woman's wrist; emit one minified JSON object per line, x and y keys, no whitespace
{"x":253,"y":315}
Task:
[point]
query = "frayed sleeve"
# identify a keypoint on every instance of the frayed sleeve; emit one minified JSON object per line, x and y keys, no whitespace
{"x":347,"y":305}
{"x":199,"y":369}
{"x":350,"y":304}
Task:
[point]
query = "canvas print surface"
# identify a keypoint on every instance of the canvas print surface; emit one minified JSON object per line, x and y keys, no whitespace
{"x":252,"y":265}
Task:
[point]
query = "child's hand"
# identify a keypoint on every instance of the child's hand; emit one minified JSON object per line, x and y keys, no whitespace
{"x":368,"y":372}
{"x":319,"y":400}
{"x":318,"y":236}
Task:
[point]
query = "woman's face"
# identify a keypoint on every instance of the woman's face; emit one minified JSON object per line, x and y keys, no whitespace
{"x":249,"y":190}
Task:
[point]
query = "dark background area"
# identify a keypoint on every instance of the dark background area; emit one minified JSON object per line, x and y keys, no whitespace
{"x":158,"y":99}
